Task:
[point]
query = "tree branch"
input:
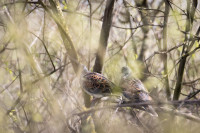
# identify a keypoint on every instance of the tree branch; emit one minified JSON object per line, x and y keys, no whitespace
{"x":57,"y":15}
{"x":105,"y":30}
{"x":167,"y":89}
{"x":190,"y":16}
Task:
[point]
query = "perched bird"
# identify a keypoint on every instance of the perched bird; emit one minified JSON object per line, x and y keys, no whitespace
{"x":134,"y":91}
{"x":95,"y":84}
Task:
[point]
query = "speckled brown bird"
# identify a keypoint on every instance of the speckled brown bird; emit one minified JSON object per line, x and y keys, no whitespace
{"x":95,"y":84}
{"x":133,"y":90}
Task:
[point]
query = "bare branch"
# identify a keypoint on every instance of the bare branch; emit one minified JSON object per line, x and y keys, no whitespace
{"x":107,"y":22}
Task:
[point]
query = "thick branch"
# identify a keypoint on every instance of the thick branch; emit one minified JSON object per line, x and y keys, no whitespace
{"x":190,"y":16}
{"x":105,"y":30}
{"x":138,"y":105}
{"x":145,"y":29}
{"x":165,"y":49}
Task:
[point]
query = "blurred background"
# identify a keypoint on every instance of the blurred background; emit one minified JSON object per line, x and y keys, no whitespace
{"x":43,"y":43}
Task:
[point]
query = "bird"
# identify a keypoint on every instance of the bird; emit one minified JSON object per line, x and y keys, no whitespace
{"x":134,"y":91}
{"x":95,"y":84}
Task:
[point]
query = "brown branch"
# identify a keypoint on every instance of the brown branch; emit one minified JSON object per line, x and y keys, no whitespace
{"x":145,"y":29}
{"x":156,"y":11}
{"x":9,"y":84}
{"x":5,"y":46}
{"x":138,"y":105}
{"x":105,"y":30}
{"x":19,"y":2}
{"x":133,"y":28}
{"x":192,"y":94}
{"x":47,"y":75}
{"x":185,"y":51}
{"x":191,"y":82}
{"x":164,"y":52}
{"x":45,"y":50}
{"x":167,"y":89}
{"x":97,"y":7}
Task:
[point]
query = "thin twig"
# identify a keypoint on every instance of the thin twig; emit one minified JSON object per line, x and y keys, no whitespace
{"x":164,"y":52}
{"x":139,"y":26}
{"x":45,"y":50}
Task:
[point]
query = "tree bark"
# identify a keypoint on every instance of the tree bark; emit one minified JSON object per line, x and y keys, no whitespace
{"x":186,"y":47}
{"x":105,"y":30}
{"x":166,"y":14}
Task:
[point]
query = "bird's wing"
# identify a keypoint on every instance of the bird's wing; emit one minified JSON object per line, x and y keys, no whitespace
{"x":133,"y":89}
{"x":97,"y":83}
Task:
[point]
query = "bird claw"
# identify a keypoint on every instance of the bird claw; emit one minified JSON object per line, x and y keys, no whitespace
{"x":119,"y":101}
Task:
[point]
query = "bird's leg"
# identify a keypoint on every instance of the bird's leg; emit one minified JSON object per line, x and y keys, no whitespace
{"x":116,"y":98}
{"x":119,"y":103}
{"x":121,"y":100}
